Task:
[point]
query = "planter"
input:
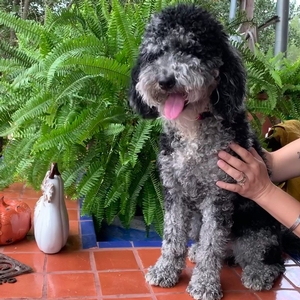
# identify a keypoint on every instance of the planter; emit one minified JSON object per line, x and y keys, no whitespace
{"x":15,"y":220}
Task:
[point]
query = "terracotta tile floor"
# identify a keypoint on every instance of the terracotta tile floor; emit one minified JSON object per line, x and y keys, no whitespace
{"x":113,"y":273}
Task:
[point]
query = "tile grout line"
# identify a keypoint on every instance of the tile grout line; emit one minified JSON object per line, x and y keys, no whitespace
{"x":132,"y":296}
{"x":140,"y":265}
{"x":79,"y":223}
{"x":258,"y":298}
{"x":290,"y":282}
{"x":96,"y":277}
{"x":45,"y":277}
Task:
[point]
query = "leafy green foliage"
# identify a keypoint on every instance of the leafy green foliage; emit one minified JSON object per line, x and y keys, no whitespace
{"x":63,"y":98}
{"x":273,"y":86}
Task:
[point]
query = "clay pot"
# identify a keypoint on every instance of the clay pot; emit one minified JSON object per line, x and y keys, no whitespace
{"x":15,"y":220}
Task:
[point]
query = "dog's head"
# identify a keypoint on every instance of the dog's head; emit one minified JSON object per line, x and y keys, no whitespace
{"x":186,"y":62}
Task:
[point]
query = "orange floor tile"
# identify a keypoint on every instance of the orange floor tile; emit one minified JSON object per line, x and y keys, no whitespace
{"x":113,"y":274}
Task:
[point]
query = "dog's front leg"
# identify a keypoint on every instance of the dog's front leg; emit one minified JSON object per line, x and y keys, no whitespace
{"x":166,"y":271}
{"x":205,"y":282}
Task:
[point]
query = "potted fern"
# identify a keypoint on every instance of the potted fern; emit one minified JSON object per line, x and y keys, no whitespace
{"x":63,"y":98}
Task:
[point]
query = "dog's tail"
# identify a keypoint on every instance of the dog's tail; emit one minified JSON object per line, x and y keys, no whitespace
{"x":290,"y":243}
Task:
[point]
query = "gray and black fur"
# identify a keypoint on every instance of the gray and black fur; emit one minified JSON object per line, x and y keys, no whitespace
{"x":186,"y":51}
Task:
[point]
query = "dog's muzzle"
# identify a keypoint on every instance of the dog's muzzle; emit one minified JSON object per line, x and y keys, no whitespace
{"x":167,"y":83}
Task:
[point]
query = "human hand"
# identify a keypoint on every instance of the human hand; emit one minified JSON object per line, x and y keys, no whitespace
{"x":251,"y":173}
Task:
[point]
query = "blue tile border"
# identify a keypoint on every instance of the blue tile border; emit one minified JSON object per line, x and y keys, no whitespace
{"x":147,"y":243}
{"x":115,"y":244}
{"x":86,"y":229}
{"x":89,"y":239}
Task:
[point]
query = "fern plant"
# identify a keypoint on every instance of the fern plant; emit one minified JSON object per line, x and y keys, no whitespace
{"x":63,"y":98}
{"x":273,"y":86}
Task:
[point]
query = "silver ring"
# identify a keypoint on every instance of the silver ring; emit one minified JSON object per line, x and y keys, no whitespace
{"x":243,"y":180}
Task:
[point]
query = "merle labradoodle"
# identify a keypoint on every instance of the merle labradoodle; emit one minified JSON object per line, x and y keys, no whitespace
{"x":188,"y":73}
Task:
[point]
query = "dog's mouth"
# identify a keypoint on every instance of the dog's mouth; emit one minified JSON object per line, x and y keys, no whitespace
{"x":174,"y":105}
{"x":177,"y":101}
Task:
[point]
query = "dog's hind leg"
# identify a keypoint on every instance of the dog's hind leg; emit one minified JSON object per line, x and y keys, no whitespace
{"x":194,"y":235}
{"x":166,"y":271}
{"x":216,"y":223}
{"x":259,"y":255}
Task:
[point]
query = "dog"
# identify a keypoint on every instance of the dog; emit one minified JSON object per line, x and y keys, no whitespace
{"x":188,"y":73}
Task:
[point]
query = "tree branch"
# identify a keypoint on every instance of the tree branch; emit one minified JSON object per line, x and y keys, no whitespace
{"x":25,"y":9}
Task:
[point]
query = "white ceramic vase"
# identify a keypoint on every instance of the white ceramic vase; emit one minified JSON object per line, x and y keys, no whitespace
{"x":51,"y":221}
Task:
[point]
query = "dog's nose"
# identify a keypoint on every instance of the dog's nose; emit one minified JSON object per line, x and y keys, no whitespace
{"x":167,"y":82}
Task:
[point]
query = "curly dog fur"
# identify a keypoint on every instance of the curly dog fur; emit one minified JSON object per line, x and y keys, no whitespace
{"x":185,"y":54}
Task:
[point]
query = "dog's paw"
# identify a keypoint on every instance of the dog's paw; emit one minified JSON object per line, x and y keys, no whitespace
{"x":204,"y":291}
{"x":259,"y":279}
{"x":164,"y":277}
{"x":192,"y":253}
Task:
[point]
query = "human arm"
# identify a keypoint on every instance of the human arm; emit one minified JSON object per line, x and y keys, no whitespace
{"x":285,"y":162}
{"x":258,"y":185}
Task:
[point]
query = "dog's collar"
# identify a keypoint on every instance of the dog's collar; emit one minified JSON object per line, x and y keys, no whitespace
{"x":204,"y":115}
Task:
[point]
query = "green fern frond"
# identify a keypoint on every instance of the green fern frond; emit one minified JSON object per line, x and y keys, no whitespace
{"x":149,"y":201}
{"x":6,"y":177}
{"x":140,"y":136}
{"x":123,"y":25}
{"x":138,"y":183}
{"x":26,"y":27}
{"x":95,"y":17}
{"x":34,"y":108}
{"x":114,"y":194}
{"x":111,"y":211}
{"x":92,"y":177}
{"x":70,"y":48}
{"x":64,"y":17}
{"x":99,"y":209}
{"x":159,"y":219}
{"x":102,"y":66}
{"x":158,"y":189}
{"x":73,"y":84}
{"x":148,"y":8}
{"x":114,"y":129}
{"x":29,"y":76}
{"x":93,"y":204}
{"x":18,"y":55}
{"x":63,"y":135}
{"x":8,"y":66}
{"x":71,"y":175}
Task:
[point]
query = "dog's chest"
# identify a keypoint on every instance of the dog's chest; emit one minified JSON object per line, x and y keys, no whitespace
{"x":192,"y":163}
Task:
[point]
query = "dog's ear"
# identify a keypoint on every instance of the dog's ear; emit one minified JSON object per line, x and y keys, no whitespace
{"x":228,"y":98}
{"x":135,"y":99}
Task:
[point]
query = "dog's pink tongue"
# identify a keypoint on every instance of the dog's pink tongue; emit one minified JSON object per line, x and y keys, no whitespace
{"x":173,"y":106}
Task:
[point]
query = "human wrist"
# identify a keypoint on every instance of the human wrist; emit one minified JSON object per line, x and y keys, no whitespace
{"x":264,"y":197}
{"x":269,"y":156}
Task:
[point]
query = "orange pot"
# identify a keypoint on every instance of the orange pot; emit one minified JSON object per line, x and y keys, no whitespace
{"x":15,"y":220}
